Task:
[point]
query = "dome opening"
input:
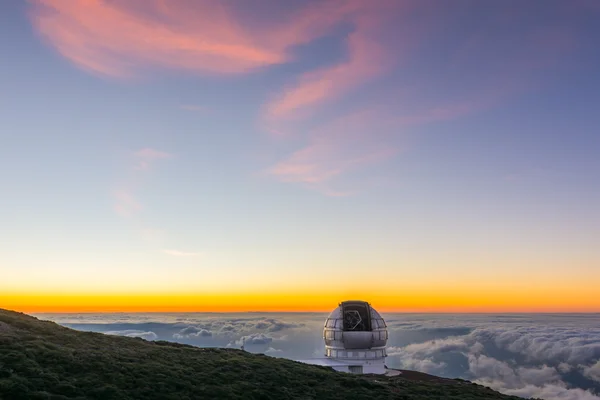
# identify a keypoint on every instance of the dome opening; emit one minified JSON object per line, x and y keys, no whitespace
{"x":357,"y":316}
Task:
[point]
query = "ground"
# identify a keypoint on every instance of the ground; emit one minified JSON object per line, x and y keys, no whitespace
{"x":43,"y":360}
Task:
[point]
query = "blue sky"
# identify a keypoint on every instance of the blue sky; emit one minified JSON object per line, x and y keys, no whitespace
{"x":423,"y":144}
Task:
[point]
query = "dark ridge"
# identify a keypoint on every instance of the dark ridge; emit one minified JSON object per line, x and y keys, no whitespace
{"x":43,"y":360}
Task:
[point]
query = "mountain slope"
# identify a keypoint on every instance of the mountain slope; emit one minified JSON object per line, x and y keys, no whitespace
{"x":43,"y":360}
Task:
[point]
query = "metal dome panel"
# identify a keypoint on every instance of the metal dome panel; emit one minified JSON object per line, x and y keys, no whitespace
{"x":355,"y":325}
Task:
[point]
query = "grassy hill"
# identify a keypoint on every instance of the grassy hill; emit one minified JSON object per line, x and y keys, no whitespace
{"x":43,"y":360}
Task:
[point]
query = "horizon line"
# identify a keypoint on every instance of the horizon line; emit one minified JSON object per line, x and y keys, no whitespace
{"x":311,"y":312}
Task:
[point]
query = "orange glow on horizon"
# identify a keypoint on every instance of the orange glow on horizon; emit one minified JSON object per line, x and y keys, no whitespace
{"x":415,"y":301}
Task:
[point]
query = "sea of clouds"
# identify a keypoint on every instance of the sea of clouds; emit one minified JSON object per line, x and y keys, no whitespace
{"x":550,"y":356}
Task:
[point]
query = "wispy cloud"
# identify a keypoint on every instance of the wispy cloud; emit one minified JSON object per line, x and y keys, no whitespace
{"x":332,"y":150}
{"x":377,"y":38}
{"x":352,"y":141}
{"x":126,"y":205}
{"x":112,"y":38}
{"x":358,"y":140}
{"x":146,"y":157}
{"x":366,"y":60}
{"x":178,"y":253}
{"x":369,"y":55}
{"x":148,"y":335}
{"x":126,"y":201}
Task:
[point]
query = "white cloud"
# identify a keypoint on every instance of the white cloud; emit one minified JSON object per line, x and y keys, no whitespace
{"x":271,"y":350}
{"x":272,"y":325}
{"x":523,"y":360}
{"x":564,"y":367}
{"x":502,"y":376}
{"x":178,"y":253}
{"x":533,"y":356}
{"x":134,"y":333}
{"x":551,"y":392}
{"x":192,"y":332}
{"x":254,"y":339}
{"x":593,"y":372}
{"x":547,"y":344}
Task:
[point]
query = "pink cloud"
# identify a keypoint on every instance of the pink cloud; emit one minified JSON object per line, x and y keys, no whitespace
{"x":365,"y":138}
{"x":146,"y":156}
{"x":359,"y":140}
{"x":122,"y":38}
{"x":370,"y":54}
{"x":126,"y":205}
{"x":348,"y":143}
{"x":356,"y":140}
{"x":366,"y":60}
{"x":118,"y":38}
{"x":326,"y":157}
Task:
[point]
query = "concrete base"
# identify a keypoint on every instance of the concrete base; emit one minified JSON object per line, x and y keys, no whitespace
{"x":350,"y":366}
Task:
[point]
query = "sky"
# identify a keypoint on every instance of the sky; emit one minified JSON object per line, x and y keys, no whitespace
{"x":190,"y":155}
{"x":548,"y":356}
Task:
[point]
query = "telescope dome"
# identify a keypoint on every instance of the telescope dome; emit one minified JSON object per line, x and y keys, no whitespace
{"x":355,"y":330}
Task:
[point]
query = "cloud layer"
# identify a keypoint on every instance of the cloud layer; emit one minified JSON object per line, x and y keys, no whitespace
{"x":546,"y":356}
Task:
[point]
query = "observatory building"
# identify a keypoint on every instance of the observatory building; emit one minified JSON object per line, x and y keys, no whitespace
{"x":355,"y":338}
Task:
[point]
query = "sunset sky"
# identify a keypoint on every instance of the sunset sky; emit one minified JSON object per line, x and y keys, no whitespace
{"x":189,"y":155}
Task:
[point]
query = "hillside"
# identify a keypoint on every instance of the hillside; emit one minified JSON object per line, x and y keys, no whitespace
{"x":43,"y":360}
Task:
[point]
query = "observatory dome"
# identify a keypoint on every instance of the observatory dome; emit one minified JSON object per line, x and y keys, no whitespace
{"x":355,"y":331}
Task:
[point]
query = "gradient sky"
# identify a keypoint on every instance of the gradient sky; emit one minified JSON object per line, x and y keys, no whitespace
{"x":285,"y":155}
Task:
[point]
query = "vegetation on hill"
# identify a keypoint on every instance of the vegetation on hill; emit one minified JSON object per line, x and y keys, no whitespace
{"x":43,"y":360}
